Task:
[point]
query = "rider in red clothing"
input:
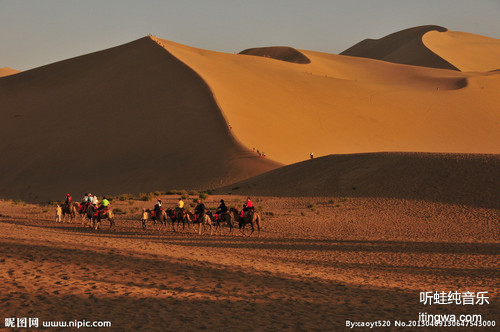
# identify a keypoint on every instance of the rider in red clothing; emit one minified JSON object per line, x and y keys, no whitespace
{"x":249,"y":204}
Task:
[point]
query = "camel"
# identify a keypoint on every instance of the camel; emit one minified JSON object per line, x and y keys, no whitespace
{"x":179,"y":215}
{"x":96,"y":215}
{"x":158,"y":215}
{"x":204,"y":219}
{"x":82,"y":210}
{"x":225,"y":217}
{"x":68,"y":209}
{"x":250,"y":217}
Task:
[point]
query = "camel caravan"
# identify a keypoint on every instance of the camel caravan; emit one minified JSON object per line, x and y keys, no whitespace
{"x":92,"y":213}
{"x":203,"y":218}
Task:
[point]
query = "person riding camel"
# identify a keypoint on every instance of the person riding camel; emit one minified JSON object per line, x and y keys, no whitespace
{"x":104,"y":204}
{"x":95,"y":201}
{"x":200,"y":209}
{"x":85,"y":202}
{"x":179,"y":207}
{"x":221,"y":209}
{"x":247,"y":207}
{"x":67,"y":203}
{"x":156,"y":208}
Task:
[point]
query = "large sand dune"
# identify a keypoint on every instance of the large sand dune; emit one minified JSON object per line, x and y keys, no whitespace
{"x":128,"y":119}
{"x":341,"y":104}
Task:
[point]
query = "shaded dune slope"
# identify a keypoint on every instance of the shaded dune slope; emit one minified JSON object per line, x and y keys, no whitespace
{"x":6,"y":71}
{"x":282,"y":53}
{"x":470,"y":179}
{"x":128,"y":119}
{"x":405,"y":47}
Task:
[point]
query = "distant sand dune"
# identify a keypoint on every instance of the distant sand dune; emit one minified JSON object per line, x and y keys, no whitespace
{"x":404,"y":47}
{"x":288,"y":54}
{"x":466,"y":51}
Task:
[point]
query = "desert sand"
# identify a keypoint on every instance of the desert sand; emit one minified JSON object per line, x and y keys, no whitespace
{"x":311,"y":268}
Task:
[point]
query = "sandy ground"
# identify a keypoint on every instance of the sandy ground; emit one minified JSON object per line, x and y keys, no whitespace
{"x":317,"y":263}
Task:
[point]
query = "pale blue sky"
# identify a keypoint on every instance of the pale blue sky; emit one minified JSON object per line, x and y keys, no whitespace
{"x":38,"y":32}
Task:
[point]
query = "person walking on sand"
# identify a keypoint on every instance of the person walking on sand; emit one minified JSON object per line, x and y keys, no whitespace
{"x":58,"y":213}
{"x":311,"y":155}
{"x":144,"y":218}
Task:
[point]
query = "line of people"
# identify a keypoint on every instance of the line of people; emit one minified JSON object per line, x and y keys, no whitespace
{"x":222,"y":208}
{"x":200,"y":208}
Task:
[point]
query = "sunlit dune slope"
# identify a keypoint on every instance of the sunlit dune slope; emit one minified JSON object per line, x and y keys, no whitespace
{"x":466,"y":51}
{"x":128,"y":119}
{"x":404,"y":47}
{"x":342,"y":104}
{"x":6,"y":71}
{"x":471,"y":179}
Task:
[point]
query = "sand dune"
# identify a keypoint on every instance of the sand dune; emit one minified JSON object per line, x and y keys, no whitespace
{"x":466,"y":51}
{"x":340,"y":104}
{"x":6,"y":71}
{"x":404,"y":47}
{"x":127,"y":119}
{"x":469,"y":179}
{"x":282,"y":53}
{"x":433,"y":46}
